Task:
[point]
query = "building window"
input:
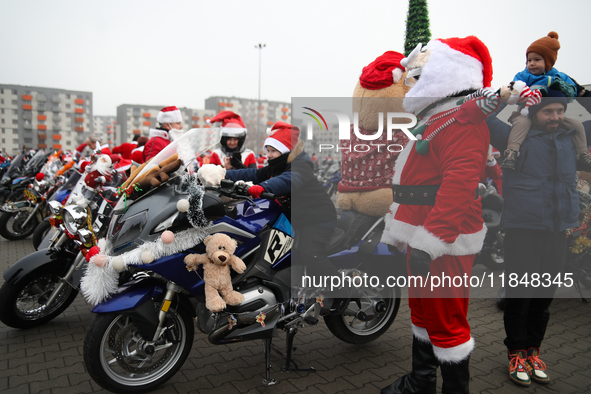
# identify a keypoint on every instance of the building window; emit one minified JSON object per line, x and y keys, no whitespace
{"x":14,"y":121}
{"x":67,"y":105}
{"x":2,"y":111}
{"x":2,"y":120}
{"x":3,"y":140}
{"x":2,"y":101}
{"x":14,"y":92}
{"x":14,"y":102}
{"x":41,"y":122}
{"x":14,"y":112}
{"x":67,"y":96}
{"x":15,"y":141}
{"x":68,"y":143}
{"x":28,"y":140}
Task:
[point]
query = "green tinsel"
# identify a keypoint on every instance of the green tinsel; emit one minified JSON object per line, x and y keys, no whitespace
{"x":417,"y":25}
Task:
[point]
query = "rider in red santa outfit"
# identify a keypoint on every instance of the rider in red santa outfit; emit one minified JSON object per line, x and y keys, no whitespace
{"x":232,"y":154}
{"x":436,"y":211}
{"x":170,"y":127}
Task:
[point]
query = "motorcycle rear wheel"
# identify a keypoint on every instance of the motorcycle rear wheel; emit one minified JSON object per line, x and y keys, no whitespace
{"x":23,"y":304}
{"x":348,"y":327}
{"x":11,"y":224}
{"x":115,"y":356}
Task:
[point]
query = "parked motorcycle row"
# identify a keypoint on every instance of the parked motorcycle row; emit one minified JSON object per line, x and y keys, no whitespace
{"x":108,"y":242}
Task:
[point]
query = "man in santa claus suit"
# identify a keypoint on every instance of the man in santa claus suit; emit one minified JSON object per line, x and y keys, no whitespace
{"x":436,"y":212}
{"x":232,"y":154}
{"x":126,"y":148}
{"x":170,"y":127}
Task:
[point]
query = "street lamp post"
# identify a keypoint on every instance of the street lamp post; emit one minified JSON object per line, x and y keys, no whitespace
{"x":260,"y":48}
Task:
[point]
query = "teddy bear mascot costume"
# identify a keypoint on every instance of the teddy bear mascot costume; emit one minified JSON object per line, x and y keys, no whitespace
{"x":366,"y":184}
{"x":436,"y":212}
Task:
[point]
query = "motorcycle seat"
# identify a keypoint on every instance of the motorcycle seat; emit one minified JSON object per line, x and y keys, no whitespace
{"x":351,"y":226}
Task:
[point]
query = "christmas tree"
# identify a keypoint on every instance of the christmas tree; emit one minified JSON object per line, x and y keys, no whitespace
{"x":417,"y":25}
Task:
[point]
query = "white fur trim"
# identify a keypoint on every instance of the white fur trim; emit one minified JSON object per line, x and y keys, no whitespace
{"x":397,"y":74}
{"x":445,"y":73}
{"x":420,"y":333}
{"x":159,"y":133}
{"x":453,"y":355}
{"x":98,"y":284}
{"x":398,"y":232}
{"x":276,"y":144}
{"x":169,"y":117}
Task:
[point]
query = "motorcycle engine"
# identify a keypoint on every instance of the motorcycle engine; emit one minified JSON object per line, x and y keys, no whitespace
{"x":256,"y":298}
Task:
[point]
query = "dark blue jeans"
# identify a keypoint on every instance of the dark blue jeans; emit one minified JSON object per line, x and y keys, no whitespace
{"x":530,"y":252}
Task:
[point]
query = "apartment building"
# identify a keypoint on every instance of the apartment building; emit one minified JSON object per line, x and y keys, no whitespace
{"x":138,"y":119}
{"x":263,"y":117}
{"x":105,"y":127}
{"x":37,"y":117}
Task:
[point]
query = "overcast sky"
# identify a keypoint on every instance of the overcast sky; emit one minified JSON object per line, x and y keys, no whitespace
{"x":181,"y":52}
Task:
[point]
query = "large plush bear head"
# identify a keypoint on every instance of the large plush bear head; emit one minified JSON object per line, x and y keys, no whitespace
{"x":367,"y":176}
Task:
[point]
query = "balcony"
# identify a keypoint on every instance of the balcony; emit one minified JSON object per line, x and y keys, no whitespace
{"x":57,"y":146}
{"x":147,"y":123}
{"x":41,"y":117}
{"x":79,"y":101}
{"x":79,"y":128}
{"x":79,"y":110}
{"x":41,"y":145}
{"x":27,"y":97}
{"x":40,"y":97}
{"x":42,"y":136}
{"x":41,"y":127}
{"x":56,"y":108}
{"x":27,"y":107}
{"x":27,"y":125}
{"x":146,"y":115}
{"x":56,"y":98}
{"x":27,"y":115}
{"x":57,"y":137}
{"x":137,"y":131}
{"x":79,"y":120}
{"x":56,"y":118}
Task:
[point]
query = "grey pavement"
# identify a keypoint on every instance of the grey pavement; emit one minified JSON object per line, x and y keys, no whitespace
{"x":48,"y":359}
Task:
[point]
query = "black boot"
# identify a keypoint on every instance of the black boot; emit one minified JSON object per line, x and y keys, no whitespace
{"x":456,"y":377}
{"x":423,"y":378}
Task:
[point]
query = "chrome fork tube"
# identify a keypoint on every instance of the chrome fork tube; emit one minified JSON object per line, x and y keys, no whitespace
{"x":64,"y":281}
{"x":31,"y":215}
{"x":171,"y":289}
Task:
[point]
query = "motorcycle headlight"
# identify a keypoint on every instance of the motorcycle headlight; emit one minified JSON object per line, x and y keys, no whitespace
{"x":74,"y":218}
{"x":55,"y":207}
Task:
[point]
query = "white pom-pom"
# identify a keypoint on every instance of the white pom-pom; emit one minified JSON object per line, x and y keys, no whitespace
{"x":419,"y":137}
{"x":182,"y":205}
{"x":147,"y":257}
{"x":100,"y":260}
{"x":118,"y":264}
{"x":525,"y":111}
{"x":167,"y":237}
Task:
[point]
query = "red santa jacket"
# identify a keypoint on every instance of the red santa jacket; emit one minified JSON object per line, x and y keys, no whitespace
{"x":455,"y":160}
{"x":125,"y":149}
{"x":159,"y":140}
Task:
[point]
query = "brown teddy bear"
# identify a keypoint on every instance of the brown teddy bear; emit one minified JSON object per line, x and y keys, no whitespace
{"x":367,"y":176}
{"x":217,"y":260}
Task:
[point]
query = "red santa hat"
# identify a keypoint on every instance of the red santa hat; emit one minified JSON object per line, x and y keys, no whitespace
{"x":453,"y":65}
{"x":169,"y":115}
{"x":283,"y":137}
{"x":382,"y":72}
{"x":232,"y":124}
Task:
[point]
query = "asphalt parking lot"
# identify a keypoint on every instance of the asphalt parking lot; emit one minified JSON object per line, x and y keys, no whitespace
{"x":48,"y":359}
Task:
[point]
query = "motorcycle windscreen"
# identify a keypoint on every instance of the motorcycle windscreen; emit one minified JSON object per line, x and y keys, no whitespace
{"x":189,"y":146}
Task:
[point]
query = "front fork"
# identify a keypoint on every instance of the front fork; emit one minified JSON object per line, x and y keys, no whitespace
{"x":64,"y":281}
{"x":31,"y":215}
{"x":171,"y":289}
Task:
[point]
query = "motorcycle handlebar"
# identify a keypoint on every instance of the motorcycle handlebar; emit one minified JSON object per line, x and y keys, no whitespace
{"x":267,"y":196}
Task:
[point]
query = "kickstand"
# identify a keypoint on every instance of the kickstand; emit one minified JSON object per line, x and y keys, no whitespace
{"x":291,"y":332}
{"x":578,"y":286}
{"x":267,"y":351}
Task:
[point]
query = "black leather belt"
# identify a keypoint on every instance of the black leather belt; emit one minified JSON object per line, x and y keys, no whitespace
{"x":415,"y":194}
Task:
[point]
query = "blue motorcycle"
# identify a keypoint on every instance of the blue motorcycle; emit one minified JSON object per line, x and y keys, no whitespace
{"x":144,"y":328}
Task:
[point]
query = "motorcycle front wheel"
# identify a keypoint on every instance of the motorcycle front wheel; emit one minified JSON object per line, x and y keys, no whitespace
{"x":24,"y":304}
{"x":11,"y":224}
{"x":120,"y":360}
{"x":365,"y":319}
{"x":40,"y":233}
